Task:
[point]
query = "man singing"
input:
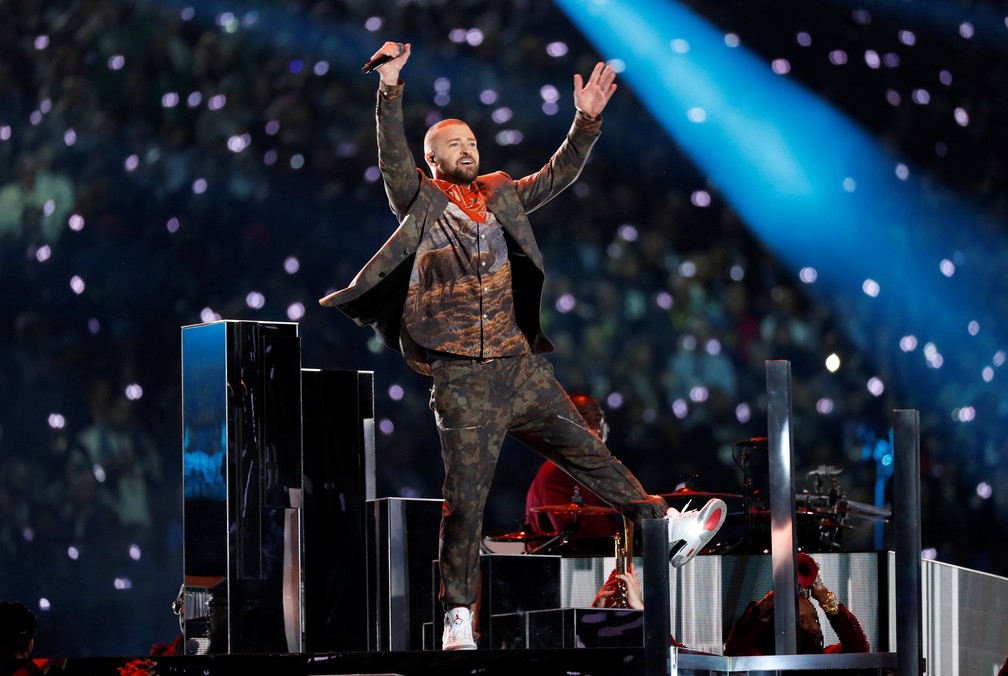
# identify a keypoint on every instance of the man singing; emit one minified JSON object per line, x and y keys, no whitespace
{"x":457,"y":289}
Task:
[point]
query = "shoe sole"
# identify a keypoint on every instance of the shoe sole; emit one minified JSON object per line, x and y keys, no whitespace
{"x":713,"y":515}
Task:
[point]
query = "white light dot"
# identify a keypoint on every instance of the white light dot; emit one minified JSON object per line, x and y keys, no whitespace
{"x":808,"y":275}
{"x":696,"y":115}
{"x":556,"y":49}
{"x":700,"y":198}
{"x":875,"y":386}
{"x":871,"y":288}
{"x":833,"y":363}
{"x":565,"y":303}
{"x":255,"y":300}
{"x":780,"y":66}
{"x":549,"y":93}
{"x":627,"y":232}
{"x":396,"y":392}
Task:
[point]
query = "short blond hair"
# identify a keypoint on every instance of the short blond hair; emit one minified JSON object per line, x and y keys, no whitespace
{"x":435,"y":128}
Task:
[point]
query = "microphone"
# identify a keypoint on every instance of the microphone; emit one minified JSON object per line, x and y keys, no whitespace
{"x":380,"y":60}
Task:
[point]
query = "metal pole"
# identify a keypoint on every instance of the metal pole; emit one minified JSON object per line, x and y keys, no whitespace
{"x":657,"y":613}
{"x":906,"y":520}
{"x":783,"y":540}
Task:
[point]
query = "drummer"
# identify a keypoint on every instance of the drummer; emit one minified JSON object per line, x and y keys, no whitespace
{"x":554,"y":487}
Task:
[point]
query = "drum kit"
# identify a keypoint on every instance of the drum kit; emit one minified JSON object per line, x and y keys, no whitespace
{"x":822,"y":515}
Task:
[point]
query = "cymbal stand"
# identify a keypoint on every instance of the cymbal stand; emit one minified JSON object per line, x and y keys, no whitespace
{"x":567,"y":531}
{"x":747,"y":498}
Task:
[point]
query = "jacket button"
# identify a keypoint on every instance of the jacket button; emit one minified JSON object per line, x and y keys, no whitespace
{"x":381,"y":275}
{"x":407,"y":252}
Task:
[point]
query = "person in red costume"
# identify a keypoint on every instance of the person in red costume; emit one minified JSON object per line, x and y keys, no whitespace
{"x":753,"y":632}
{"x":553,"y":486}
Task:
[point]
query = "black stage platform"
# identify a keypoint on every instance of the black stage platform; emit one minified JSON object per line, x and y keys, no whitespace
{"x":595,"y":662}
{"x":568,"y":662}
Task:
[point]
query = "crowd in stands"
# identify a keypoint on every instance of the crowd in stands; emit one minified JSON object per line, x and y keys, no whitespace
{"x":163,"y":165}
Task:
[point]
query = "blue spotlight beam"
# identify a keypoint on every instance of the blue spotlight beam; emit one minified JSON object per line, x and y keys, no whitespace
{"x":812,"y":185}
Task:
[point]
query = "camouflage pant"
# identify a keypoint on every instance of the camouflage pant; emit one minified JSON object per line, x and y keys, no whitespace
{"x":475,"y":405}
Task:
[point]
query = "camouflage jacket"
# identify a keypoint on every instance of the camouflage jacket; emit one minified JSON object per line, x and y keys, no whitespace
{"x":377,"y":294}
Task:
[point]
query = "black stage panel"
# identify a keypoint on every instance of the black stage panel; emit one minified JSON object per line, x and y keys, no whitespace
{"x":606,"y":662}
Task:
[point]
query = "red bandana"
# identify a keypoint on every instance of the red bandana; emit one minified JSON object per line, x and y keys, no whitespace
{"x":468,"y":198}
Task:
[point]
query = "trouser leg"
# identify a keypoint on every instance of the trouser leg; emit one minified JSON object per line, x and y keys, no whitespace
{"x":550,"y":423}
{"x":472,"y":416}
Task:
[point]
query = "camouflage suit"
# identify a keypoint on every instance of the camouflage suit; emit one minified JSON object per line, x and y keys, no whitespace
{"x":477,"y":403}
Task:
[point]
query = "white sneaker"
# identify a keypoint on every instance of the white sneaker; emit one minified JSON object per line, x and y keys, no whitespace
{"x":689,"y":532}
{"x":458,"y":630}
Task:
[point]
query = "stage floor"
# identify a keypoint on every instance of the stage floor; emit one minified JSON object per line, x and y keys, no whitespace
{"x":564,"y":662}
{"x":571,"y":662}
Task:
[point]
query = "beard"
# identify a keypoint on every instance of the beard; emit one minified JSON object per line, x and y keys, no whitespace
{"x":463,"y":175}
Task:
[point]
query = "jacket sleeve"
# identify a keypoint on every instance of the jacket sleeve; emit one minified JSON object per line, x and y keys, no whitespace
{"x":849,"y":631}
{"x":563,"y":168}
{"x":743,"y":639}
{"x":399,"y":171}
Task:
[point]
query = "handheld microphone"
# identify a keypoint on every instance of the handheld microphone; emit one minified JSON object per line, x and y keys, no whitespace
{"x":380,"y":60}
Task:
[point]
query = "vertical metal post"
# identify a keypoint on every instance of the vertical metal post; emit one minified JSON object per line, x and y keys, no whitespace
{"x":783,"y":539}
{"x":906,"y":521}
{"x":657,"y":613}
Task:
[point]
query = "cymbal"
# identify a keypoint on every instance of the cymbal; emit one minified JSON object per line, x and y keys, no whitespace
{"x":826,"y":469}
{"x":863,"y":510}
{"x":520,"y":536}
{"x":689,"y":493}
{"x":800,"y":513}
{"x":573,"y":509}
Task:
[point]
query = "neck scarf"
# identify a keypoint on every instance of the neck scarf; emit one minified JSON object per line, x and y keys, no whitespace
{"x":468,"y":198}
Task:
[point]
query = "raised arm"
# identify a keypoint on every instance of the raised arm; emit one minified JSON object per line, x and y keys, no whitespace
{"x":399,"y":169}
{"x":590,"y":99}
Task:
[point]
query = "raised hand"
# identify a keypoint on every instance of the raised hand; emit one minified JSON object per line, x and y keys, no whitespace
{"x":389,"y":71}
{"x":591,"y":97}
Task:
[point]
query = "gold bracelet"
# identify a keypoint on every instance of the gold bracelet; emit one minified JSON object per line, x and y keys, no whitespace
{"x":832,"y":604}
